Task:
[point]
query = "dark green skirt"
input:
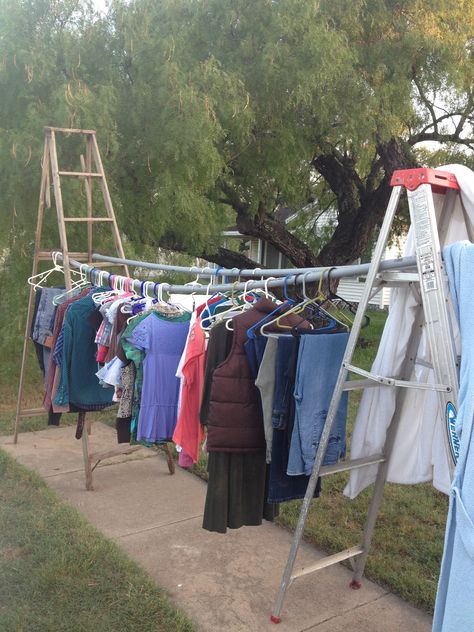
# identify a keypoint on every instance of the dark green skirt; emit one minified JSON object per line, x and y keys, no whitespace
{"x":237,"y":491}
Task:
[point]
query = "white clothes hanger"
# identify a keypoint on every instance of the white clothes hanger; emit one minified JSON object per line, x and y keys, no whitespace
{"x":37,"y":280}
{"x":76,"y":285}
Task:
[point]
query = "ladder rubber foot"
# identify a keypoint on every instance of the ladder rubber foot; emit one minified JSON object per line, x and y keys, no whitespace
{"x":275,"y":619}
{"x":355,"y":585}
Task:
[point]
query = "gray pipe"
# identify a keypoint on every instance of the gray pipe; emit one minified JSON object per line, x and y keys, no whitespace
{"x":292,"y":278}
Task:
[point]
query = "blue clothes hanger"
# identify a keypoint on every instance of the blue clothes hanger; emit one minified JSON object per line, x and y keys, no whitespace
{"x":251,"y":332}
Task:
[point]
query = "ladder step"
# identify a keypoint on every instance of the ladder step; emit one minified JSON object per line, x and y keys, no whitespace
{"x":329,"y":560}
{"x":104,"y":264}
{"x":345,"y":466}
{"x":69,"y":130}
{"x":80,"y":174}
{"x":88,"y":219}
{"x":32,"y":412}
{"x":396,"y":279}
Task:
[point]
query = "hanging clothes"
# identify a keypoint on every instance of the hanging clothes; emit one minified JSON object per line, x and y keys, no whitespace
{"x":235,"y":421}
{"x":319,"y":361}
{"x":42,"y":324}
{"x":238,"y":473}
{"x":281,"y":486}
{"x":53,"y":371}
{"x":162,"y":341}
{"x":265,"y":383}
{"x":124,"y":413}
{"x":78,"y":383}
{"x":188,"y":432}
{"x":418,"y":453}
{"x":454,"y":609}
{"x":218,"y":348}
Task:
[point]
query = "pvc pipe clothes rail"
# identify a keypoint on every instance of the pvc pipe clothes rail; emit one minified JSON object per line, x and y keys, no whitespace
{"x":254,"y":272}
{"x":292,"y":277}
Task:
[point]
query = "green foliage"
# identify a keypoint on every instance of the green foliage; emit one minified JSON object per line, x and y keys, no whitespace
{"x":208,"y":107}
{"x":195,"y":98}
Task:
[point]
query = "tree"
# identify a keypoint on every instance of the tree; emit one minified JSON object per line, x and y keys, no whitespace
{"x":231,"y":107}
{"x":214,"y":112}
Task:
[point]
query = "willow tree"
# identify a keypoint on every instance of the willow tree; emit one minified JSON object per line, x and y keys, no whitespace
{"x":51,"y":73}
{"x":229,"y":108}
{"x":214,"y":112}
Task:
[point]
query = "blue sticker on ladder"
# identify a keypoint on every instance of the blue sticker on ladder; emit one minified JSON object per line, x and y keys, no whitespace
{"x":451,"y":415}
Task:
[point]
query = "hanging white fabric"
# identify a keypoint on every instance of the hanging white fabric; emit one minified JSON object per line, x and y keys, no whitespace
{"x":418,"y":454}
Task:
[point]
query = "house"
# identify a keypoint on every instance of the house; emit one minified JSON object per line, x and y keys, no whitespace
{"x":269,"y":257}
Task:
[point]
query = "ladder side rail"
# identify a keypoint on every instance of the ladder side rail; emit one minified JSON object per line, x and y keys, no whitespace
{"x":59,"y":208}
{"x":88,"y":194}
{"x":432,"y":282}
{"x":336,"y":398}
{"x":107,"y":199}
{"x":29,"y":312}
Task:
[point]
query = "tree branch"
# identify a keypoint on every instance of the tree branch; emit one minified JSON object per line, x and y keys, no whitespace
{"x":440,"y":138}
{"x":429,"y":106}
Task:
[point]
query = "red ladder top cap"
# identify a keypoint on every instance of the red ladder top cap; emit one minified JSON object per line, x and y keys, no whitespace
{"x":412,"y":178}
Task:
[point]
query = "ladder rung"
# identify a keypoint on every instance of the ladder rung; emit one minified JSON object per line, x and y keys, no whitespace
{"x":329,"y":560}
{"x":70,"y":130}
{"x":104,"y":264}
{"x":327,"y":470}
{"x":80,"y":174}
{"x":100,"y":456}
{"x":32,"y":412}
{"x":45,"y":255}
{"x":88,"y":219}
{"x":393,"y":279}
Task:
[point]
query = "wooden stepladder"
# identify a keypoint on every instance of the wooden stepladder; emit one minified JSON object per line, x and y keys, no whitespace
{"x":92,"y":170}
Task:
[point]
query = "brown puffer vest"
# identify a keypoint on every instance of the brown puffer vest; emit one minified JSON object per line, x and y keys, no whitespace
{"x":235,"y":422}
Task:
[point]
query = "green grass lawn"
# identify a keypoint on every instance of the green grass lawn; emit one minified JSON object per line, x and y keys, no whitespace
{"x":58,"y":574}
{"x":408,"y":540}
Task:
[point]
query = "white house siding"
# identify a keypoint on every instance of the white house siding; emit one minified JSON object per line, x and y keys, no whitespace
{"x":351,"y":289}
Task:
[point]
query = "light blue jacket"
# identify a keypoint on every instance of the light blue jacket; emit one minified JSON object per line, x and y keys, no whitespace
{"x":454,"y":609}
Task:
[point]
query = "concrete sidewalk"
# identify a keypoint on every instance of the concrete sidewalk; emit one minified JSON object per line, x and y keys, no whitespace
{"x":223,"y":582}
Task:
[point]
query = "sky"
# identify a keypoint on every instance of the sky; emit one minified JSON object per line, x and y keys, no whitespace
{"x":100,"y":5}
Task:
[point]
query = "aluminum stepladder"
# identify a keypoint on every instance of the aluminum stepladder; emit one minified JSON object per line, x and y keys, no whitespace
{"x":91,"y":170}
{"x":432,"y":314}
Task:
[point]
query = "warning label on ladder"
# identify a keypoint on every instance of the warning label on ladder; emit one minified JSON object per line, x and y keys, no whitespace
{"x":424,"y":242}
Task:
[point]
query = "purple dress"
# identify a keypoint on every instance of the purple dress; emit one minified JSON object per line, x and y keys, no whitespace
{"x":163,"y":343}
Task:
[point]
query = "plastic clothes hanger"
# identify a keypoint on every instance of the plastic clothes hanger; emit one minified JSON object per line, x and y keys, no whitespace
{"x":219,"y":315}
{"x":301,"y":307}
{"x":83,"y":281}
{"x":288,"y":302}
{"x":245,"y":305}
{"x":332,"y":296}
{"x":342,"y":321}
{"x":37,"y":280}
{"x":217,"y":298}
{"x":118,"y":281}
{"x":251,"y":332}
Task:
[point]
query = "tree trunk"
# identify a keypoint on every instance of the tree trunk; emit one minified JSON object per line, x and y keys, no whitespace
{"x":226,"y":258}
{"x":361,"y":206}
